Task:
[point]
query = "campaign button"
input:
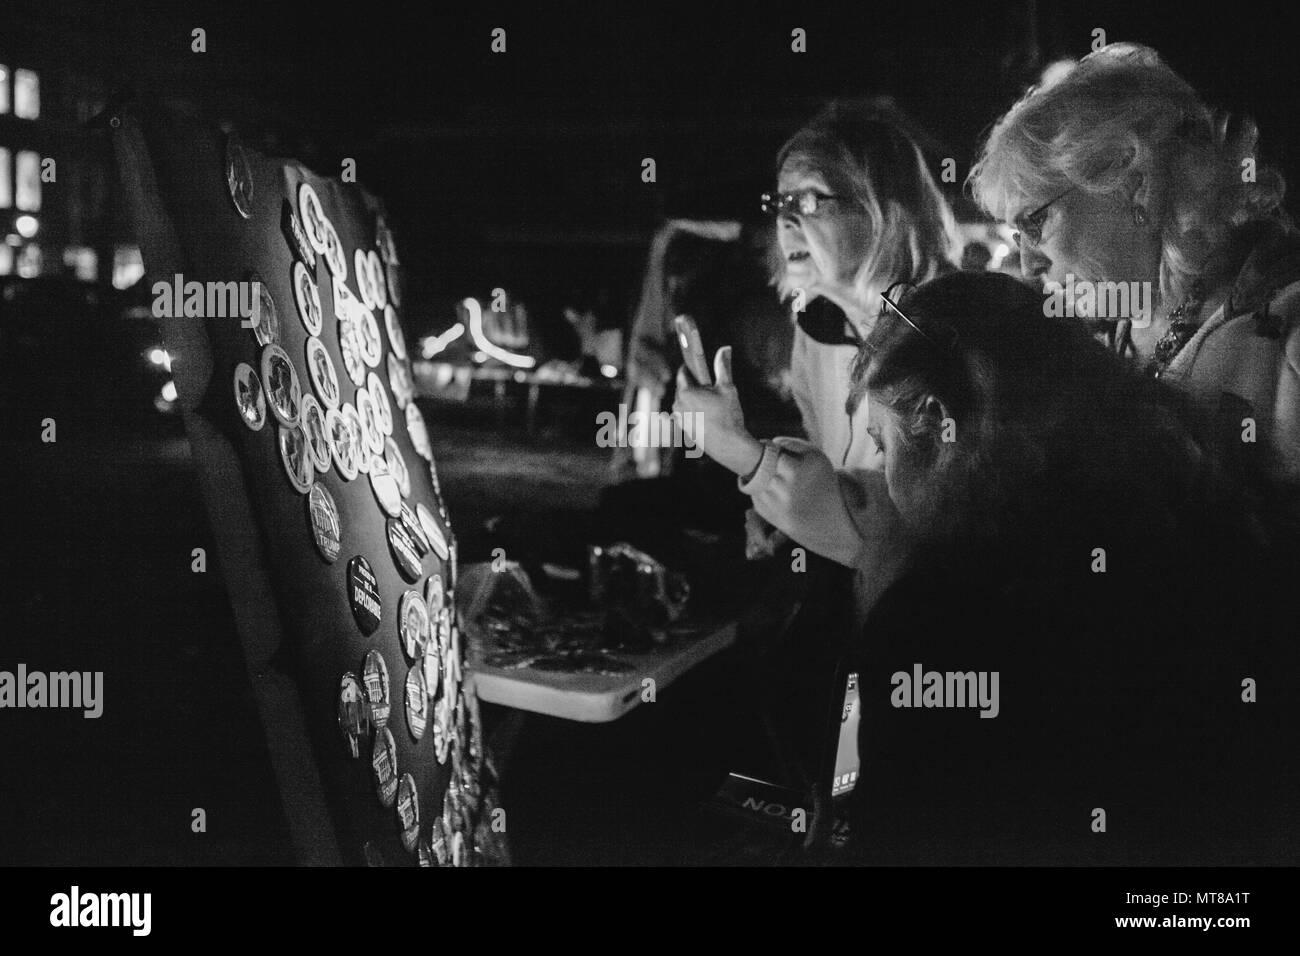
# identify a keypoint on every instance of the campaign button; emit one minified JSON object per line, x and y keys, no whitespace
{"x":249,"y":398}
{"x":325,"y":528}
{"x":363,"y":594}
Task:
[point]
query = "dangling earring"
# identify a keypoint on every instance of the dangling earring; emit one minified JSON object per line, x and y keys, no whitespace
{"x":1139,"y":215}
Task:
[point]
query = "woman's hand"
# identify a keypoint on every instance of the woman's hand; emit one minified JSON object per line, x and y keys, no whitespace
{"x":714,"y":418}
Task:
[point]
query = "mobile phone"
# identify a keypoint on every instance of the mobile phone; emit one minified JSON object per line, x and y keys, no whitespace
{"x":847,"y":765}
{"x":688,"y":337}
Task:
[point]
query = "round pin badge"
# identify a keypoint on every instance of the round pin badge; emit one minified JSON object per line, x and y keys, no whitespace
{"x":408,"y":812}
{"x":384,"y":762}
{"x":283,"y":390}
{"x":249,"y":398}
{"x":343,"y":450}
{"x":383,"y":407}
{"x":361,"y":268}
{"x":412,"y":525}
{"x":356,"y":438}
{"x":450,"y":808}
{"x":326,"y":530}
{"x":374,"y":676}
{"x":354,"y":714}
{"x":312,"y":216}
{"x":413,"y":623}
{"x":432,"y":531}
{"x":442,"y":723}
{"x":399,"y":380}
{"x":363,"y":594}
{"x":239,"y":176}
{"x":296,"y":457}
{"x":266,"y":324}
{"x":431,"y":664}
{"x":307,"y":297}
{"x":350,"y":348}
{"x":373,"y":434}
{"x":434,"y":595}
{"x":320,"y":367}
{"x":397,"y":465}
{"x":438,"y":845}
{"x":458,"y":856}
{"x":417,"y":701}
{"x":312,"y":421}
{"x":372,"y":347}
{"x":419,"y":434}
{"x":335,"y":258}
{"x":424,"y":853}
{"x":405,"y":555}
{"x":395,"y":336}
{"x":377,"y":283}
{"x":385,"y":487}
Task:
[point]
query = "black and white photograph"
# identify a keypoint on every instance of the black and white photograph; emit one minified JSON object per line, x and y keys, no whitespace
{"x":744,"y":438}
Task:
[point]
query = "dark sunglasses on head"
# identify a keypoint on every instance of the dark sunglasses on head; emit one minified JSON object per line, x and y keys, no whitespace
{"x":1031,"y":226}
{"x":806,"y":202}
{"x":940,"y":335}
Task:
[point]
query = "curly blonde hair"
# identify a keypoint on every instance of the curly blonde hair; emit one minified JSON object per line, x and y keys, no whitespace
{"x":864,"y":148}
{"x":1119,"y":110}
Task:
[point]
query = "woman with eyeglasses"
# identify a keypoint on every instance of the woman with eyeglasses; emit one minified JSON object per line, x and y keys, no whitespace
{"x":1092,"y":592}
{"x":856,"y":209}
{"x":1118,"y":172}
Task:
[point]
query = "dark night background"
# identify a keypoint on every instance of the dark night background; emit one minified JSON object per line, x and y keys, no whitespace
{"x":521,"y":170}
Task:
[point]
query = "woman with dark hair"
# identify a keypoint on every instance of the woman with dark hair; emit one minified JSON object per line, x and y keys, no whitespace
{"x":1073,"y":667}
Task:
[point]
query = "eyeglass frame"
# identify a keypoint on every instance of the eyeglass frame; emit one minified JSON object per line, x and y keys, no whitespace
{"x":1021,"y":222}
{"x":775,"y":203}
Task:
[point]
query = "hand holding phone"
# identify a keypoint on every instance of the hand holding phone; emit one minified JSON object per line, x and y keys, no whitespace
{"x":688,"y":337}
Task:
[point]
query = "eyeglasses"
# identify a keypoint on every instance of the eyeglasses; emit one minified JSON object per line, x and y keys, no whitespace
{"x":941,"y":336}
{"x":1032,"y":224}
{"x":807,"y":202}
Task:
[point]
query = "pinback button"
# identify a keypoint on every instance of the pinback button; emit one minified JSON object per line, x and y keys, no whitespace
{"x":417,"y":432}
{"x":361,"y":268}
{"x":320,"y":367}
{"x":423,"y":852}
{"x":363,"y":594}
{"x":342,"y":449}
{"x":239,"y":176}
{"x":441,"y":728}
{"x":458,"y":857}
{"x":383,"y":760}
{"x":296,"y":458}
{"x":438,"y":842}
{"x":394,"y":283}
{"x":266,"y":327}
{"x":405,"y":555}
{"x":413,"y":623}
{"x":399,"y":380}
{"x":395,"y":336}
{"x":432,"y":531}
{"x":307,"y":298}
{"x":249,"y":398}
{"x":431,"y":664}
{"x":397,"y":465}
{"x":312,"y":421}
{"x":412,"y":525}
{"x":372,"y":347}
{"x":283,"y":390}
{"x":335,"y":259}
{"x":433,"y":596}
{"x":385,"y":487}
{"x":312,"y":217}
{"x":350,"y":348}
{"x":374,"y":675}
{"x":325,"y":528}
{"x":383,"y":408}
{"x":417,"y":701}
{"x":376,"y":269}
{"x":296,"y":236}
{"x":356,"y":438}
{"x":408,"y":812}
{"x":374,"y":435}
{"x":354,"y":714}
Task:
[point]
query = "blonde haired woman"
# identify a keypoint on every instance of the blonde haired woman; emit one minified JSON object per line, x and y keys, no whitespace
{"x":856,"y":210}
{"x":1119,"y":172}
